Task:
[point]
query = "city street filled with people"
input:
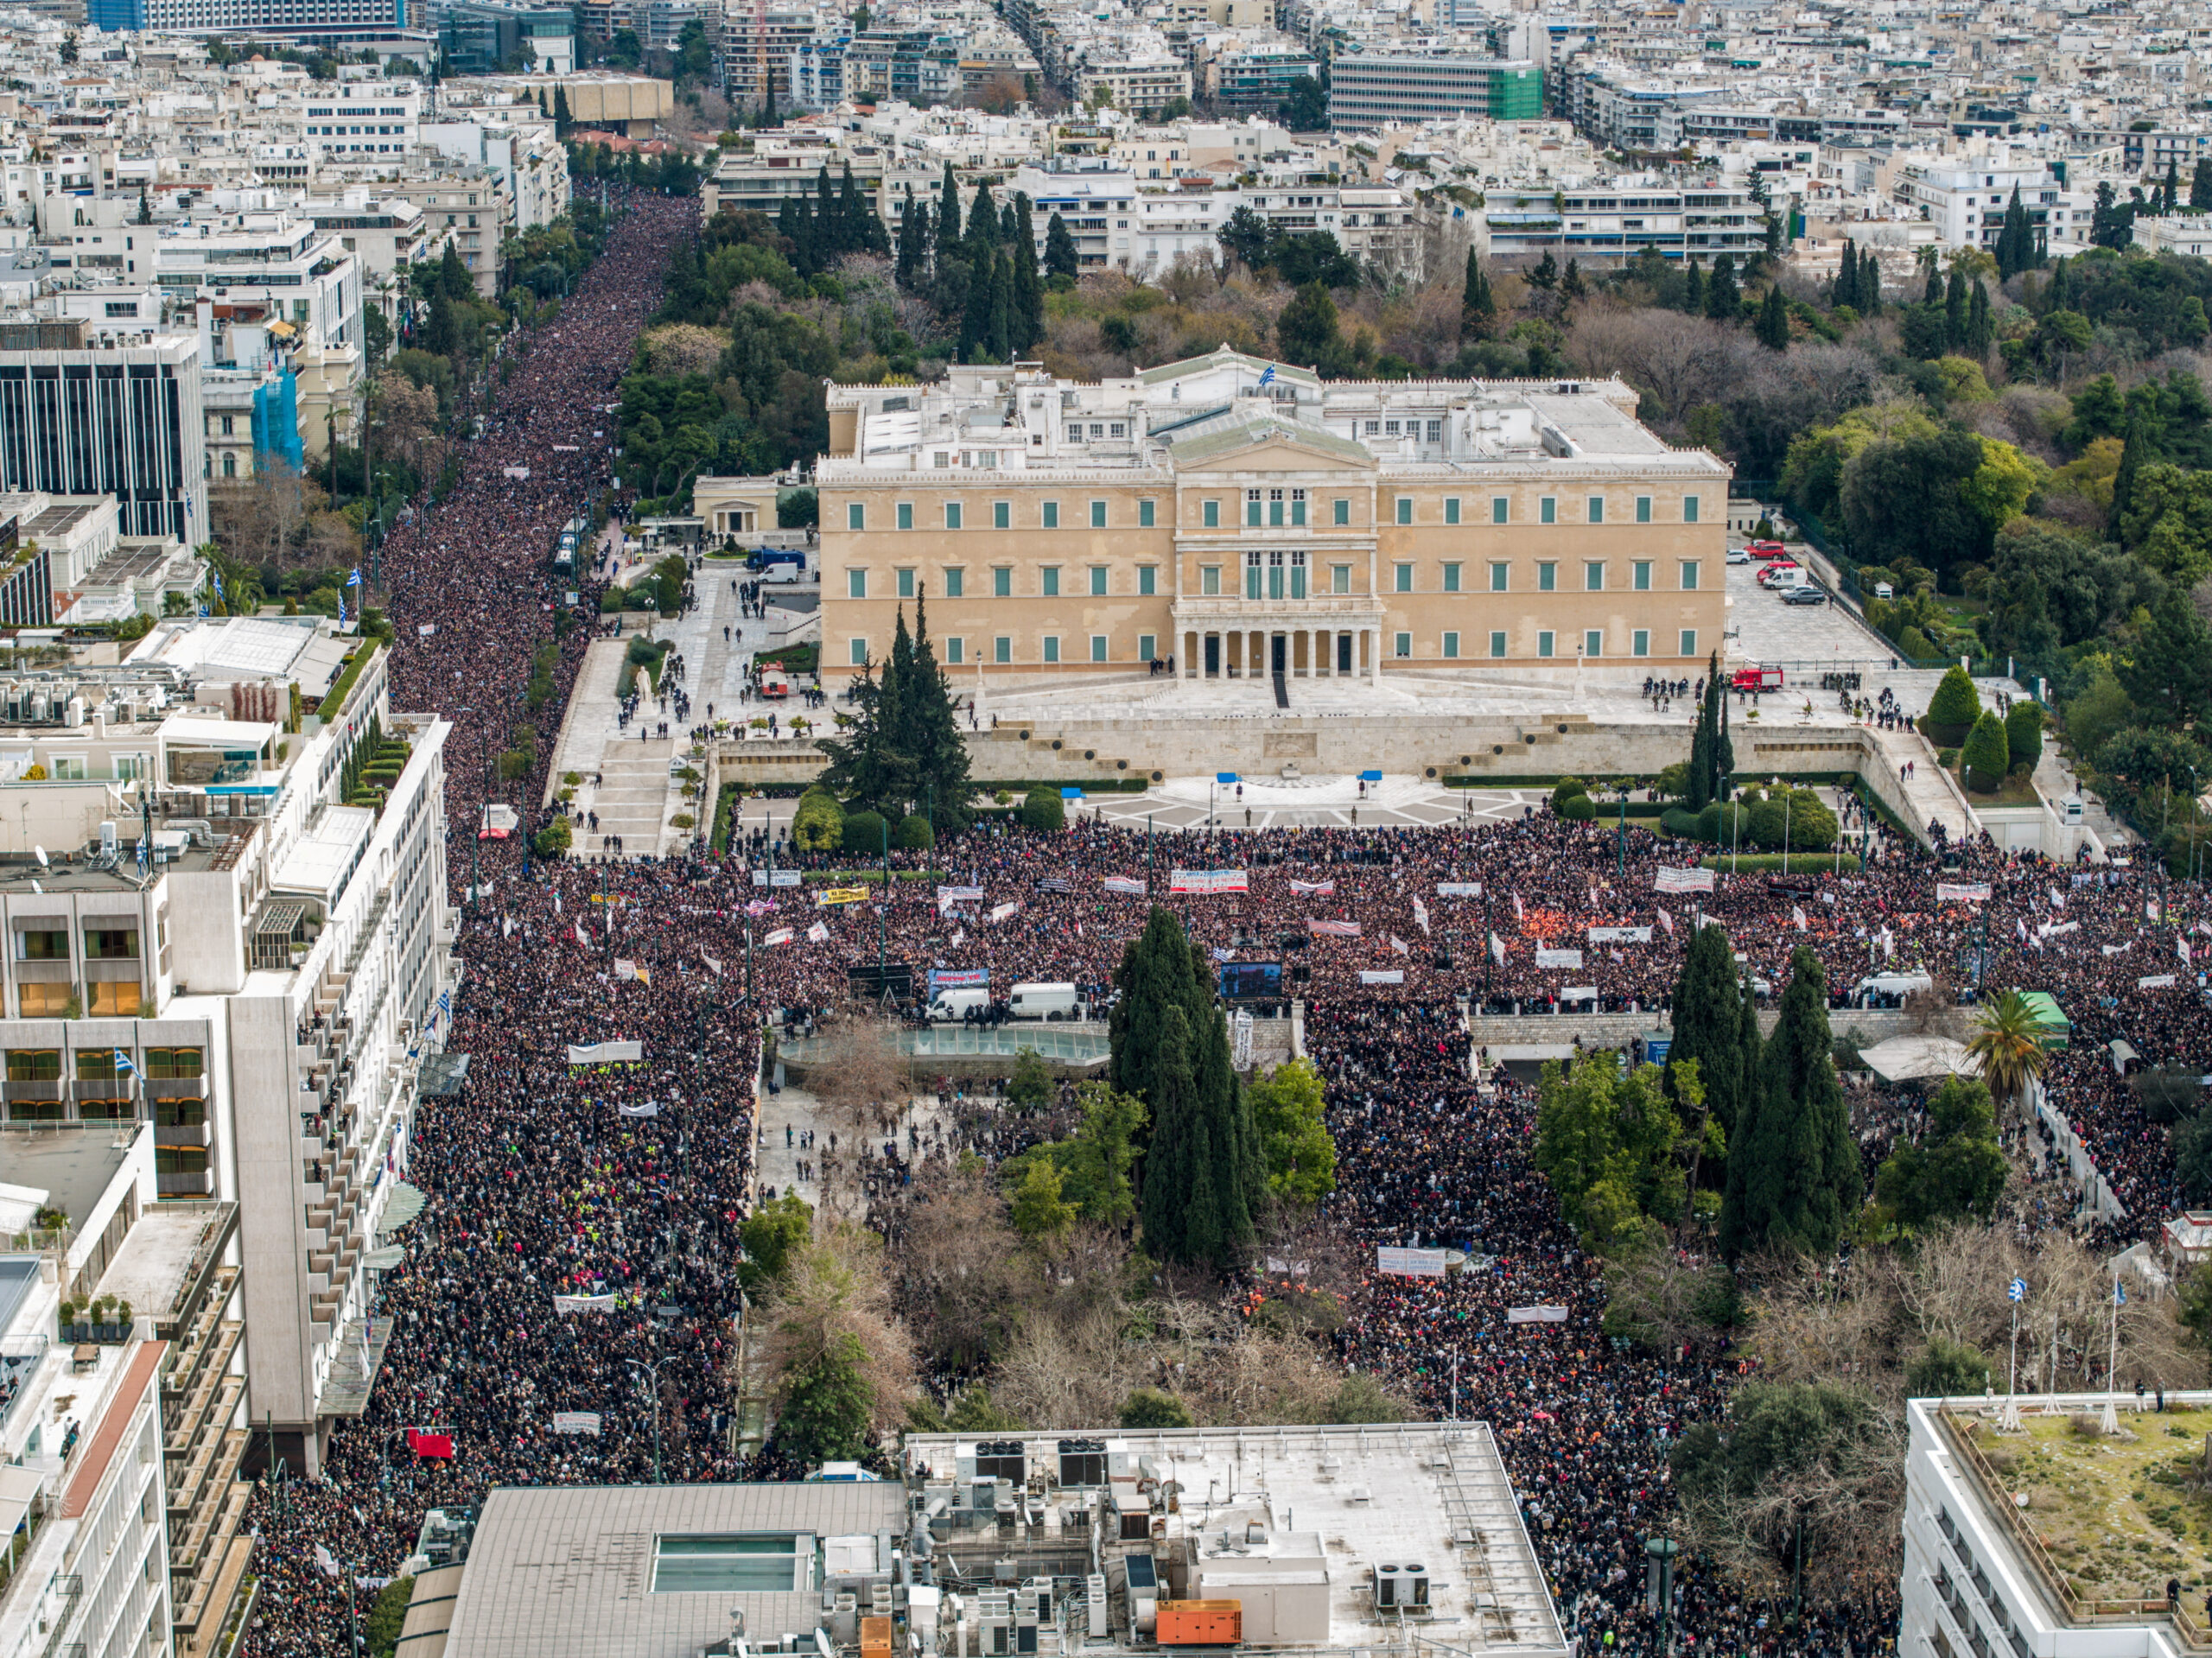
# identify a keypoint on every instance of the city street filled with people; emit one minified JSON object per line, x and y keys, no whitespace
{"x":577,"y":1253}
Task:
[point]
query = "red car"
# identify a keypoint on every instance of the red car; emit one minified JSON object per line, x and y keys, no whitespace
{"x":1767,"y":549}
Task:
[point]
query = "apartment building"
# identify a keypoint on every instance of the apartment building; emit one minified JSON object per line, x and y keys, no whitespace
{"x":241,"y":943}
{"x":84,"y":411}
{"x":292,"y":19}
{"x":1243,"y":522}
{"x":1617,"y":219}
{"x":470,"y":205}
{"x":1967,"y":199}
{"x":365,"y":118}
{"x":260,"y":285}
{"x":1254,"y":77}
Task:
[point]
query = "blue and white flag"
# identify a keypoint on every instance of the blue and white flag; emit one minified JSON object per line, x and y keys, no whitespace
{"x":341,"y":610}
{"x":354,"y":580}
{"x":2118,"y":1293}
{"x":122,"y":1065}
{"x":2018,"y":1290}
{"x":1268,"y":375}
{"x":445,"y":1002}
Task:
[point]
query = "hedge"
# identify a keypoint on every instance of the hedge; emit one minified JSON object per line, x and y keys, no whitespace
{"x":1759,"y":863}
{"x":1134,"y":783}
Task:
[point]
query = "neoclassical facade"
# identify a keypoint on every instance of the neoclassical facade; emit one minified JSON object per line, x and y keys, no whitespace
{"x":1250,"y":519}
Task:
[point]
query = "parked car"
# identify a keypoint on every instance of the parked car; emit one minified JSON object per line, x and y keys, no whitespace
{"x":1784,"y":572}
{"x":1739,"y":556}
{"x":1808,"y":595}
{"x":1767,"y":549}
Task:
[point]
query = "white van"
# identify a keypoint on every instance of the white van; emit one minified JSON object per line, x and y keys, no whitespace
{"x":951,"y":1006}
{"x":1899,"y":984}
{"x":1044,"y":1001}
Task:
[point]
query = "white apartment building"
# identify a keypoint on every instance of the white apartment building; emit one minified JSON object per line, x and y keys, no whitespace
{"x":261,"y":283}
{"x":470,"y":204}
{"x":348,"y":120}
{"x":285,"y":947}
{"x":2190,"y":235}
{"x":1967,"y":199}
{"x":531,"y":165}
{"x":1616,"y":219}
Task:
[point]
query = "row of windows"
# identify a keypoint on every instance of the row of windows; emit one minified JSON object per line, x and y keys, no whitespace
{"x":98,"y":1065}
{"x":1276,"y":574}
{"x":1273,"y":509}
{"x":1547,"y":646}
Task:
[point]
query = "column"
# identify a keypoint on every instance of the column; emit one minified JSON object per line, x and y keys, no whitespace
{"x":1375,"y":656}
{"x":1314,"y":654}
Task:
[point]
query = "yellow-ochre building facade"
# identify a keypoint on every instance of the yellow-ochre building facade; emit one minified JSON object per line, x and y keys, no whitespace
{"x":1238,"y":518}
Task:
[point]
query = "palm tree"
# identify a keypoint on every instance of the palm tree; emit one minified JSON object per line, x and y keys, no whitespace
{"x":2008,"y":1043}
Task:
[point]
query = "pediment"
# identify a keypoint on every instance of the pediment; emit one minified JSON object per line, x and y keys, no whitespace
{"x":1276,"y":453}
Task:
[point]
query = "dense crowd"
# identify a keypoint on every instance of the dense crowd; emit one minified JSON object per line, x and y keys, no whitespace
{"x":576,"y":1254}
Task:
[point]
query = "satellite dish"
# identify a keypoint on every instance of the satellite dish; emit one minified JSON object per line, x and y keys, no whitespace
{"x":38,"y":852}
{"x":35,"y":887}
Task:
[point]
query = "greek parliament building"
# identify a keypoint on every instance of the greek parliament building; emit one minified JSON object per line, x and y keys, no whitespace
{"x":1244,"y":522}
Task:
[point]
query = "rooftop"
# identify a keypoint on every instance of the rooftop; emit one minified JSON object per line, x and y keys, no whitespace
{"x":169,"y":1250}
{"x":73,"y":1166}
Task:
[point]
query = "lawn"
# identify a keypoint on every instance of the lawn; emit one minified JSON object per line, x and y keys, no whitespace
{"x":2115,"y":1514}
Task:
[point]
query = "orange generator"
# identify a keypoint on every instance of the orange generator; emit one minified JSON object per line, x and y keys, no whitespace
{"x":876,"y":1638}
{"x":1201,"y":1622}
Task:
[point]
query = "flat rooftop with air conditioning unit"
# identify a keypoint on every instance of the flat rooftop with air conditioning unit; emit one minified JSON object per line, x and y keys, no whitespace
{"x":1315,"y":1539}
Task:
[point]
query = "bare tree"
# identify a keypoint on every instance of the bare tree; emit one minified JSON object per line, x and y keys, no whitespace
{"x":835,"y":1289}
{"x":861,"y":1076}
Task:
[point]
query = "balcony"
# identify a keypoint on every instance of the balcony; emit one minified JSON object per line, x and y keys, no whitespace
{"x":46,"y":1090}
{"x":199,"y":1185}
{"x":179,"y":1133}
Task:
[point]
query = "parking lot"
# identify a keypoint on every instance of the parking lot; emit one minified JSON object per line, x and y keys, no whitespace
{"x":1768,"y":630}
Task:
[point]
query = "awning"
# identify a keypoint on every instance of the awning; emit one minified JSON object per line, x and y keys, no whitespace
{"x":442,"y":1076}
{"x":404,"y":1204}
{"x":384,"y":1260}
{"x":19,"y":1488}
{"x":1906,"y":1058}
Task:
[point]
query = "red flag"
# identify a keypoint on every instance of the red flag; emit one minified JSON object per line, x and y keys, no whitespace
{"x":429,"y":1444}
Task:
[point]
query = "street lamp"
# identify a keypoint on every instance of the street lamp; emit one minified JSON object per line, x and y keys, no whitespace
{"x":652,"y":1367}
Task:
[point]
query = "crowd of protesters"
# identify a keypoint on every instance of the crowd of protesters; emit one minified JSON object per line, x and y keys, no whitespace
{"x":574,"y":1267}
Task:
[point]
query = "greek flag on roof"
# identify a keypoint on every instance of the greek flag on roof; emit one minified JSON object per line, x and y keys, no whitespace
{"x":2118,"y":1293}
{"x":1268,"y":375}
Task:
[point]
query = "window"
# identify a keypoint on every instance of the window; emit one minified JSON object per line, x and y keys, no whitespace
{"x":1051,"y":649}
{"x":1340,"y":512}
{"x":906,"y":584}
{"x":856,"y":584}
{"x":905,"y":515}
{"x":1298,"y":509}
{"x":952,"y":515}
{"x":1098,"y":647}
{"x":1098,"y":515}
{"x":956,"y":580}
{"x":858,"y":649}
{"x":1689,"y":642}
{"x":1497,"y":642}
{"x":1451,"y":646}
{"x":34,"y":1065}
{"x":44,"y":1001}
{"x":1049,"y":576}
{"x":1252,"y":507}
{"x":1405,"y":508}
{"x":1500,"y":509}
{"x":1405,"y":578}
{"x":1145,"y":514}
{"x":43,"y":946}
{"x":1147,"y":580}
{"x":1643,"y":574}
{"x":1643,"y":509}
{"x":1001,"y":515}
{"x":176,"y":1113}
{"x":1052,"y":514}
{"x":1001,"y":583}
{"x":1404,"y":644}
{"x":1339,"y":578}
{"x":1451,"y":509}
{"x":1689,"y":509}
{"x":111,"y":943}
{"x":1436,"y":431}
{"x":1689,"y":576}
{"x":1593,"y":576}
{"x":1544,"y":643}
{"x":1639,"y":643}
{"x":1210,"y":581}
{"x":1001,"y":649}
{"x":1210,"y":513}
{"x":856,"y":516}
{"x":96,"y":1064}
{"x":1098,"y":581}
{"x":1596,"y":509}
{"x":1547,"y":578}
{"x":116,"y":999}
{"x":1148,"y":647}
{"x":1548,"y":510}
{"x":1593,"y":642}
{"x":1451,"y":578}
{"x":953,"y":655}
{"x":728,"y":1563}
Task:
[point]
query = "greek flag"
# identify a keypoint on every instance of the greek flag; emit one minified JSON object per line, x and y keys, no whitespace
{"x":203,"y":610}
{"x":354,"y":580}
{"x":445,"y":1002}
{"x":341,"y":610}
{"x":2018,"y":1290}
{"x":122,"y":1065}
{"x":2118,"y":1293}
{"x":218,"y":577}
{"x":1268,"y":375}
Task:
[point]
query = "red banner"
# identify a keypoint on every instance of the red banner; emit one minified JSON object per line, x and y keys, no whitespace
{"x":429,"y":1444}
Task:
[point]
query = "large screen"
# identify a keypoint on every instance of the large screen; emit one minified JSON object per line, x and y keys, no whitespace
{"x":1241,"y":980}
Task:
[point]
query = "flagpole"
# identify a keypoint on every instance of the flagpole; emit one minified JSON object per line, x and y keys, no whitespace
{"x":2111,"y":1423}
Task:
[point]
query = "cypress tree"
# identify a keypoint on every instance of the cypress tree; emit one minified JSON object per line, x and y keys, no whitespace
{"x":1723,"y":299}
{"x":862,"y":231}
{"x":828,"y":231}
{"x":1060,"y":258}
{"x":1028,"y":285}
{"x":1709,"y":1023}
{"x":2169,"y":192}
{"x":562,"y":119}
{"x":975,"y":320}
{"x":982,"y":221}
{"x":1477,"y":309}
{"x":1955,"y":310}
{"x":1003,"y":306}
{"x":948,"y":214}
{"x":1773,"y":325}
{"x":1868,"y":299}
{"x":2200,"y":187}
{"x":1981,"y":329}
{"x":1693,"y":289}
{"x":2134,"y":451}
{"x":1794,"y":1179}
{"x":1933,"y":295}
{"x":1845,"y":291}
{"x":912,"y":230}
{"x":1698,"y":791}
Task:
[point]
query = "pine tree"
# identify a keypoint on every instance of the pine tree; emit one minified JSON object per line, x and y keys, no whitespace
{"x":948,"y":215}
{"x":1709,"y":1025}
{"x":930,"y":733}
{"x":2169,"y":193}
{"x":1773,"y":325}
{"x":1793,"y":1179}
{"x":1478,"y":309}
{"x":912,"y":233}
{"x":1724,"y":300}
{"x":1955,"y":311}
{"x":1981,"y":328}
{"x":1028,"y":325}
{"x":861,"y":230}
{"x":1867,"y":301}
{"x":1060,"y":258}
{"x":828,"y":230}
